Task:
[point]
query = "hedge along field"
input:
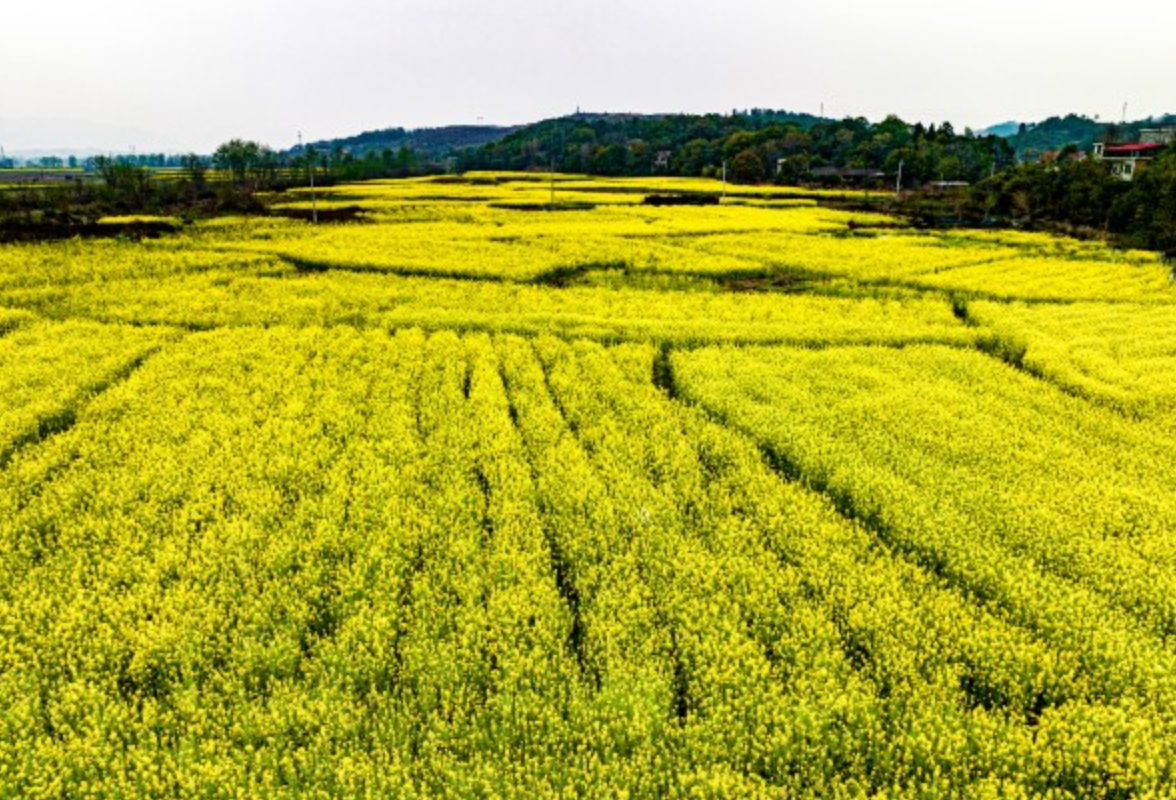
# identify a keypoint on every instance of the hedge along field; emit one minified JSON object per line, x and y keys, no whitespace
{"x":1111,"y":353}
{"x":48,"y":370}
{"x":468,"y":498}
{"x":279,"y":295}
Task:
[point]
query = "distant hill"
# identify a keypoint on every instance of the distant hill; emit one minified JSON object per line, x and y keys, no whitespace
{"x":514,"y":146}
{"x":630,"y":144}
{"x":751,"y":146}
{"x":1033,"y":139}
{"x":437,"y":143}
{"x":774,"y":144}
{"x":1005,"y":129}
{"x":428,"y":142}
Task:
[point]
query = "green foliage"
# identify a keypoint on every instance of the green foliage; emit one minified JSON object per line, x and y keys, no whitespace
{"x":747,"y":167}
{"x":246,"y":161}
{"x":428,"y":143}
{"x":786,"y":145}
{"x":124,"y":178}
{"x":1084,"y":194}
{"x":1146,"y":214}
{"x":1032,"y":141}
{"x":195,"y":168}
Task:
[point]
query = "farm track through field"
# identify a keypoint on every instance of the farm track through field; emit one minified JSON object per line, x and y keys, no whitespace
{"x":867,"y":647}
{"x":875,"y":555}
{"x":561,"y":564}
{"x":310,"y":266}
{"x":1025,"y":591}
{"x":64,"y":418}
{"x":1011,"y":351}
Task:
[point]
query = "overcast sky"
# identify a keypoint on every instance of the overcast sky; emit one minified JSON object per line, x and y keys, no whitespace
{"x":159,"y":74}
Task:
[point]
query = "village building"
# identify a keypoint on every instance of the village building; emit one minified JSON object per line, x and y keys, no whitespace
{"x":1127,"y":159}
{"x":1158,"y":135}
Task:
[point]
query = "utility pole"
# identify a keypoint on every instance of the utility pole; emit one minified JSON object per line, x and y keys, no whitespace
{"x":724,"y":180}
{"x":310,"y":169}
{"x":991,"y":195}
{"x":898,"y":185}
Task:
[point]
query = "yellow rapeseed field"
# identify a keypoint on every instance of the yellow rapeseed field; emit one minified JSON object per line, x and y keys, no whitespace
{"x":473,"y":496}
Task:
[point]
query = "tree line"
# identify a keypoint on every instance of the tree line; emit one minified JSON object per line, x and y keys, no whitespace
{"x":754,"y":147}
{"x":231,"y":180}
{"x":757,"y":146}
{"x":1082,"y":196}
{"x":247,"y":161}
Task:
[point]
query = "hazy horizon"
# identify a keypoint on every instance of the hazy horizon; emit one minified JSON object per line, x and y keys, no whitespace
{"x":132,"y":74}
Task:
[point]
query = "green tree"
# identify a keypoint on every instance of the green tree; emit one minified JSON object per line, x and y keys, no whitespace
{"x":245,"y":160}
{"x":1147,"y":210}
{"x":794,"y":170}
{"x":611,"y":160}
{"x":126,"y":181}
{"x":747,"y":167}
{"x":195,"y":169}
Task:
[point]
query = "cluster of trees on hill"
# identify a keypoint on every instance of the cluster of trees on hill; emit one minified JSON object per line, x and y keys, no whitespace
{"x":924,"y":153}
{"x":248,"y":160}
{"x":1031,"y":142}
{"x":1084,"y":195}
{"x":426,"y":143}
{"x":345,"y":165}
{"x":626,"y":144}
{"x":756,"y":146}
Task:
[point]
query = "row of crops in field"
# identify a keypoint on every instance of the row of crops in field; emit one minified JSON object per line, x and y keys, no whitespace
{"x":460,"y":500}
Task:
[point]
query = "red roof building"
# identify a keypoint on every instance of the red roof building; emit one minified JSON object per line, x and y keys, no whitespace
{"x":1139,"y":150}
{"x":1126,"y":159}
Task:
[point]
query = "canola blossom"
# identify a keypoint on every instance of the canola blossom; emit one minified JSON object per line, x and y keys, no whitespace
{"x":11,"y":319}
{"x":47,"y":370}
{"x":279,"y":295}
{"x":1112,"y":353}
{"x":471,"y":497}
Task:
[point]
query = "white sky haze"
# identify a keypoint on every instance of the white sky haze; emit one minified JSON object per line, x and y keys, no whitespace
{"x":162,"y":75}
